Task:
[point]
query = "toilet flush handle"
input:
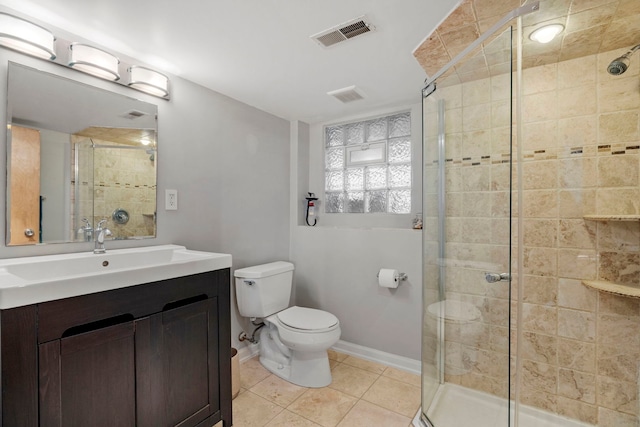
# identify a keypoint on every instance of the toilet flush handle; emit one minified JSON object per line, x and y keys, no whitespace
{"x":250,"y":282}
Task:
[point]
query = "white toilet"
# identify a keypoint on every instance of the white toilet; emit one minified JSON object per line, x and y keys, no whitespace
{"x":294,"y":340}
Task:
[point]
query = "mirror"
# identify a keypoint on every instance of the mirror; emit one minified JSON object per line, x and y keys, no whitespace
{"x":77,"y":154}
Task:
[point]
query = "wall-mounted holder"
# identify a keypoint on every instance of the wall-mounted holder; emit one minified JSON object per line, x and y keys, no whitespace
{"x":389,"y":278}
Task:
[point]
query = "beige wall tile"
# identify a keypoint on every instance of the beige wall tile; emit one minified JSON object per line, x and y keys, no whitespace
{"x":540,"y":347}
{"x":541,"y":261}
{"x":569,"y":77}
{"x":573,"y":294}
{"x":609,"y":418}
{"x":540,"y":106}
{"x":619,"y":236}
{"x":577,"y":172}
{"x":576,"y":101}
{"x":540,"y":290}
{"x":578,"y":131}
{"x":476,"y":117}
{"x":541,"y":232}
{"x":618,"y":201}
{"x":618,"y":94}
{"x":577,"y":385}
{"x":540,"y":175}
{"x":620,"y":267}
{"x":539,"y":318}
{"x":578,"y":355}
{"x":540,"y":376}
{"x":620,"y":126}
{"x":619,"y":170}
{"x":618,"y":395}
{"x":579,"y":325}
{"x":540,"y":79}
{"x":540,"y":203}
{"x":577,"y":233}
{"x":577,"y":264}
{"x":578,"y":410}
{"x":576,"y":203}
{"x":616,"y":304}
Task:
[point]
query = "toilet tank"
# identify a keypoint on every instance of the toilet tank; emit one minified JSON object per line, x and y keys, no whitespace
{"x":265,"y":289}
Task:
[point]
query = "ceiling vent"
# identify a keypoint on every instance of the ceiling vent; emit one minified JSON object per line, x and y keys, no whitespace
{"x":346,"y":94}
{"x":133,"y":114}
{"x":343,"y":32}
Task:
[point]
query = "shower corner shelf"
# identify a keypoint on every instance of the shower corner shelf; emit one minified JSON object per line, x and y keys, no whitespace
{"x":613,"y":288}
{"x":612,"y":217}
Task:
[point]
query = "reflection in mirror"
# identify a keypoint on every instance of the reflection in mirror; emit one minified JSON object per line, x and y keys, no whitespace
{"x":77,"y":154}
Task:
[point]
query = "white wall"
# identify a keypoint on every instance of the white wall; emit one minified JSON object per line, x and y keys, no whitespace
{"x":337,"y":260}
{"x":228,"y":161}
{"x":336,"y":271}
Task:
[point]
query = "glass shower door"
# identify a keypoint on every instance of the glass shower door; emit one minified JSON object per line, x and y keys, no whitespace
{"x":467,"y":241}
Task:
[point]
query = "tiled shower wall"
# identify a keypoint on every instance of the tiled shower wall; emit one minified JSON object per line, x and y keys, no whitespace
{"x":112,"y":178}
{"x":125,"y":178}
{"x":581,"y":138}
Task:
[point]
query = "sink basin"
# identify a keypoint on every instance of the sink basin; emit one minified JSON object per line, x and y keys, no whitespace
{"x":31,"y":280}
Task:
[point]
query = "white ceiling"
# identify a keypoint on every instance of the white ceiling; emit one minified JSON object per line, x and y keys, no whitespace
{"x":259,"y":51}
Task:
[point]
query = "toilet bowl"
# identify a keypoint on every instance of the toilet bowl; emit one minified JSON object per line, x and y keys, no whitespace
{"x":294,"y":340}
{"x":294,"y":343}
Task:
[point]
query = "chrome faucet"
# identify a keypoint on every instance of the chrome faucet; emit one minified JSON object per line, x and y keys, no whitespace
{"x":101,"y":233}
{"x":86,"y":230}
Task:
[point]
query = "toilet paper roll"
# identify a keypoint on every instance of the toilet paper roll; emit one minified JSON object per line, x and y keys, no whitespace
{"x":388,"y":278}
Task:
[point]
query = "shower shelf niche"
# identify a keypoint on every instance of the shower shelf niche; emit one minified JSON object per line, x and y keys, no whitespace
{"x":612,"y":217}
{"x":613,"y":288}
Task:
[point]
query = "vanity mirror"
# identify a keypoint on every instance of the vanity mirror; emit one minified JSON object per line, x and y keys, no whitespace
{"x":77,"y":152}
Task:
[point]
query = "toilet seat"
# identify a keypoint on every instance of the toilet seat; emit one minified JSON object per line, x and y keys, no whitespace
{"x":306,"y":320}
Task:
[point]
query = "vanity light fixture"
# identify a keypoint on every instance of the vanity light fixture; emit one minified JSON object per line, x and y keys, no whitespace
{"x":25,"y":36}
{"x":148,"y":80}
{"x":92,"y":60}
{"x":546,"y":33}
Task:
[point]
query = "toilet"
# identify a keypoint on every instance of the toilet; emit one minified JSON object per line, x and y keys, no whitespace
{"x":294,"y":340}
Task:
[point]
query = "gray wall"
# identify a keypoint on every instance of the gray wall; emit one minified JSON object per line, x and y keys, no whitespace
{"x":337,"y":260}
{"x":228,"y":161}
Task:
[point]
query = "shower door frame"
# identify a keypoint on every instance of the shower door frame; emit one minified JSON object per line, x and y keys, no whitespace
{"x":428,"y":89}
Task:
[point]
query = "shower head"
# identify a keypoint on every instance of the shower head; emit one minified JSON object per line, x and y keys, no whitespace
{"x":620,"y":65}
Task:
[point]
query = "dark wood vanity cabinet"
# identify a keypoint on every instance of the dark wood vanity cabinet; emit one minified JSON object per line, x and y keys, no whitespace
{"x":151,"y":355}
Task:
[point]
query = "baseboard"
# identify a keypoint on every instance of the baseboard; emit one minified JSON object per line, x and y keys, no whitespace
{"x":248,"y":351}
{"x":399,"y":362}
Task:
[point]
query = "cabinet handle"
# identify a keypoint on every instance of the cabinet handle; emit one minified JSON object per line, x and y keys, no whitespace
{"x":28,"y":232}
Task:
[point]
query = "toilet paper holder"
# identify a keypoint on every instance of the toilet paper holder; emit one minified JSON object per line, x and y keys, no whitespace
{"x":399,"y":278}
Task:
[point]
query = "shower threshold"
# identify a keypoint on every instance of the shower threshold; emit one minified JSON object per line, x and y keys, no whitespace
{"x":485,"y":410}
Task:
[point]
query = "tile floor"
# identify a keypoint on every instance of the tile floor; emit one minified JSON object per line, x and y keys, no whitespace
{"x":362,"y":393}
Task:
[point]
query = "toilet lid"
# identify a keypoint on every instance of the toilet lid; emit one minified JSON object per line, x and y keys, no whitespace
{"x":306,"y":318}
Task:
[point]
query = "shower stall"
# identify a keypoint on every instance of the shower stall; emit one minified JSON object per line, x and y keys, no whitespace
{"x":531,"y":238}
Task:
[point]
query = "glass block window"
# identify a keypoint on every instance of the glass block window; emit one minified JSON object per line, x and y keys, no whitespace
{"x":368,"y":166}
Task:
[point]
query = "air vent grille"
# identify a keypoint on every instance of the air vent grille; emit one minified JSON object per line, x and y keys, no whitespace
{"x":343,"y":32}
{"x":133,"y":114}
{"x":347,"y":94}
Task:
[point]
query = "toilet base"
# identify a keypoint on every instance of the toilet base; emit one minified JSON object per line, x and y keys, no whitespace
{"x":303,"y":368}
{"x":306,"y":369}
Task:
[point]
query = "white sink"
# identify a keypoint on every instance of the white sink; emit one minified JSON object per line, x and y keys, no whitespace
{"x":31,"y":280}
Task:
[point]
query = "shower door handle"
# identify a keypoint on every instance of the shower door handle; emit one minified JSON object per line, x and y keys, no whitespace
{"x":496,"y":277}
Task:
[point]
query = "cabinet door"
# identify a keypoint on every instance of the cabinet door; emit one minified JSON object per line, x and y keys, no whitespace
{"x":89,"y":379}
{"x":177,"y":366}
